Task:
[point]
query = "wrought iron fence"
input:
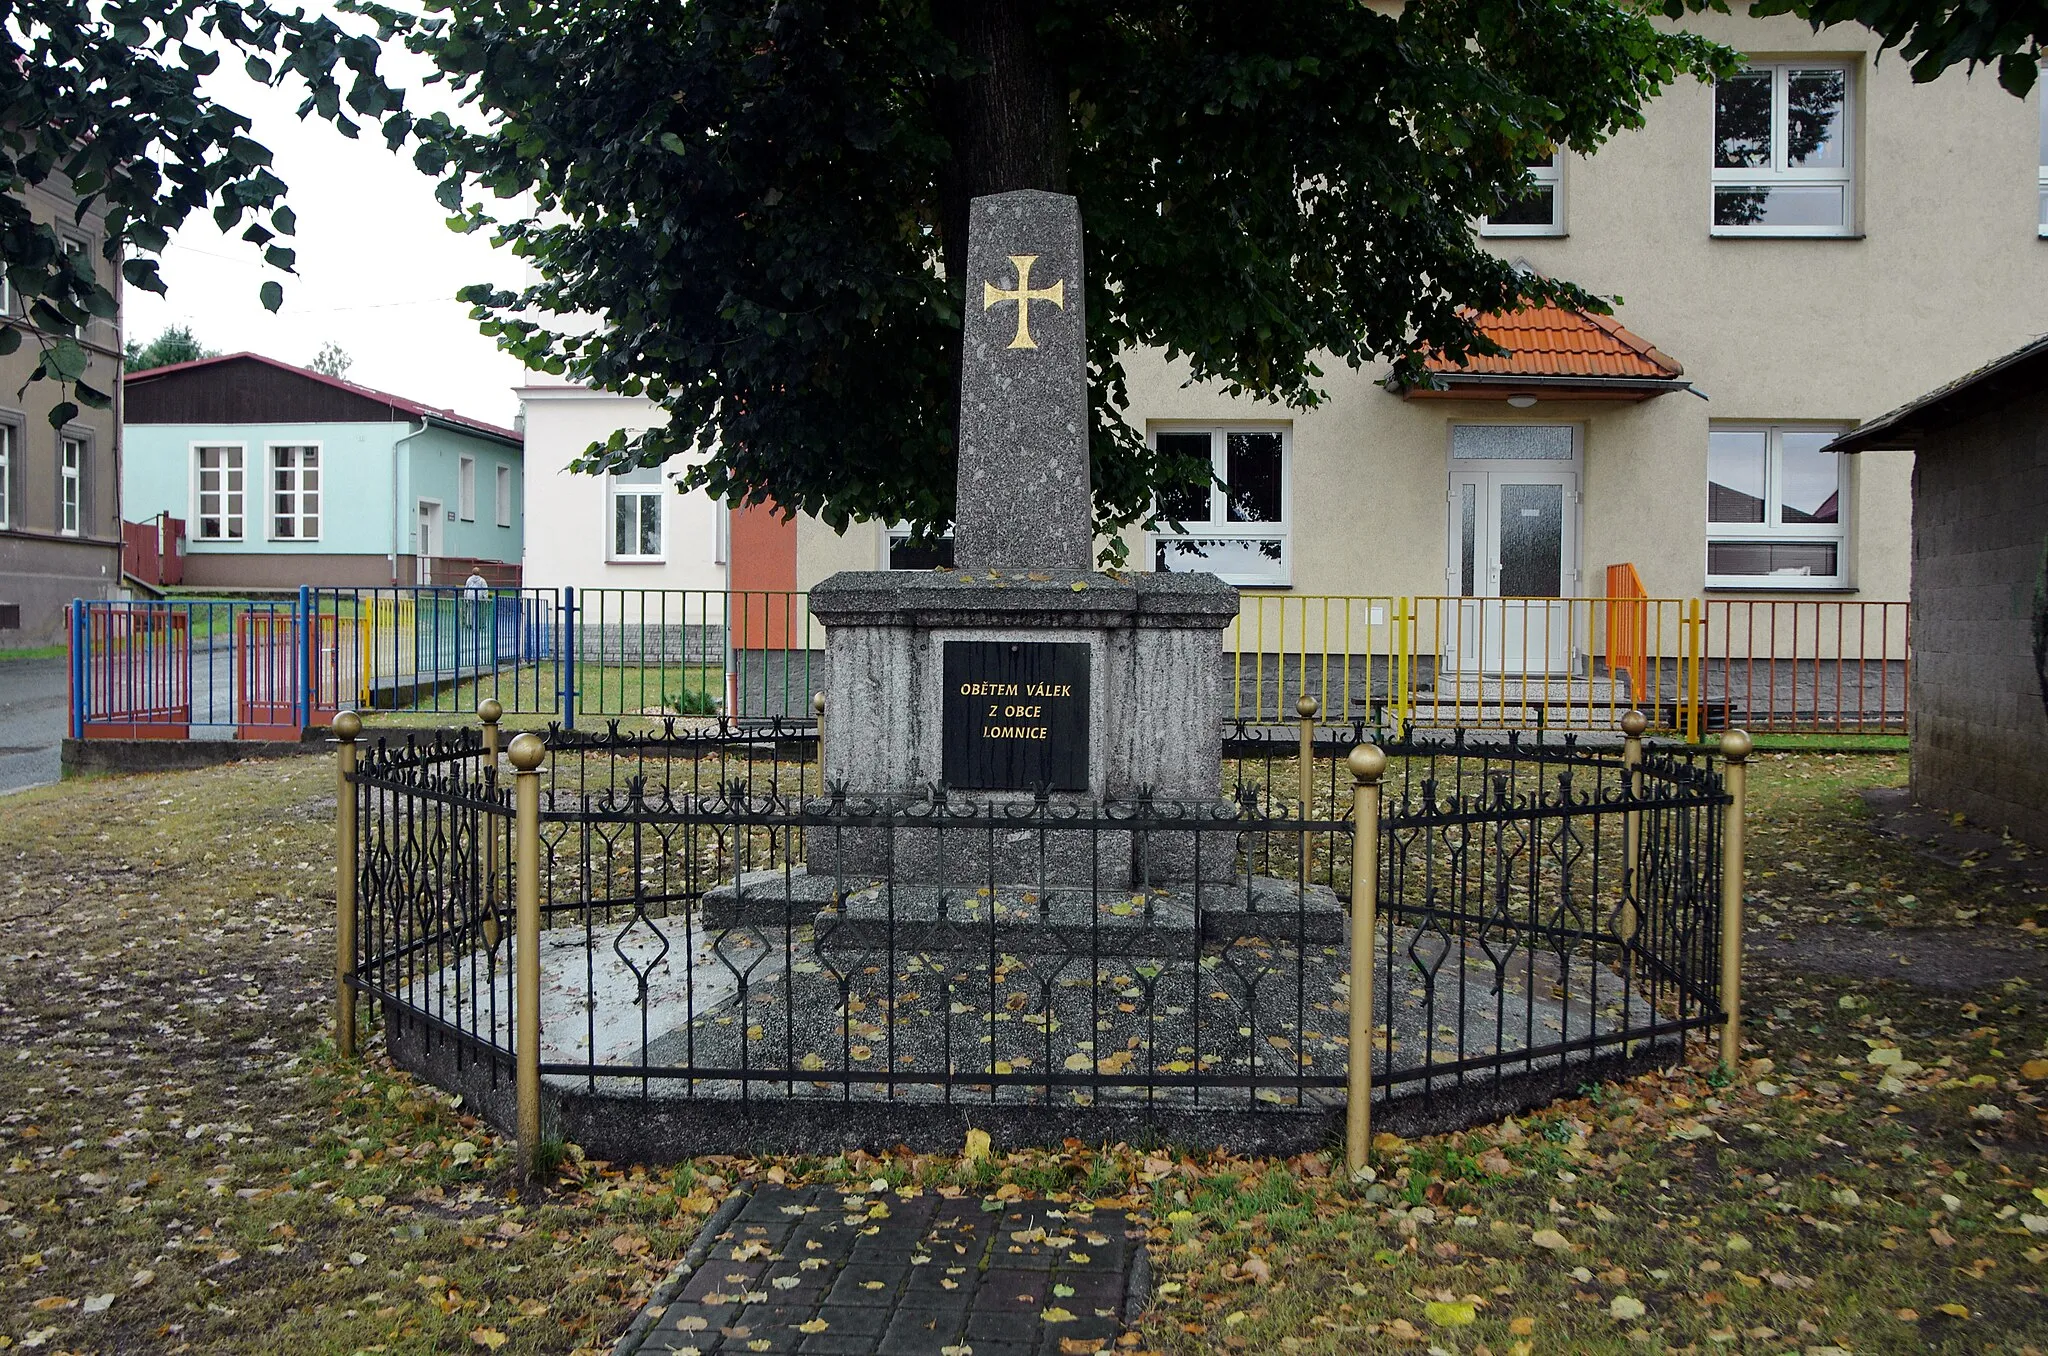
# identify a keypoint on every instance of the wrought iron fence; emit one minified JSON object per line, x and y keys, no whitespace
{"x":708,"y":923}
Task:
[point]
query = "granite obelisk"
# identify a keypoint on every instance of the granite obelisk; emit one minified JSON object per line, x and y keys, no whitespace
{"x":1024,"y":499}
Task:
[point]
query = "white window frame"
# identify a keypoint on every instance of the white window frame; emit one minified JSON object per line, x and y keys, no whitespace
{"x":659,"y":490}
{"x":73,"y":450}
{"x":1772,"y":529}
{"x":893,"y":533}
{"x":273,"y":496}
{"x":1218,"y":527}
{"x":465,"y":488}
{"x":6,"y":295}
{"x":2041,"y":98}
{"x":502,"y":490}
{"x":1549,"y":176}
{"x":10,"y":438}
{"x":1778,"y":173}
{"x":198,"y":514}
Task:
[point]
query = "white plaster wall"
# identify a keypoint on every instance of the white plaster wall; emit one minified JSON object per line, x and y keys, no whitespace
{"x":568,"y":513}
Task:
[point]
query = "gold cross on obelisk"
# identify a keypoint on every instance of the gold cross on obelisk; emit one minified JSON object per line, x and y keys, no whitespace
{"x":1024,"y":296}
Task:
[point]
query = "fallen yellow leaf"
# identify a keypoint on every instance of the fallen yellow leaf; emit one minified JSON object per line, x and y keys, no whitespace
{"x":813,"y":1325}
{"x":977,"y":1145}
{"x":489,"y":1338}
{"x":1449,"y":1314}
{"x":1954,"y":1310}
{"x":2034,"y":1068}
{"x":1522,"y":1327}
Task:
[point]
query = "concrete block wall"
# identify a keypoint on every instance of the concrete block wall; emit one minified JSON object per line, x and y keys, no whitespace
{"x":1980,"y":550}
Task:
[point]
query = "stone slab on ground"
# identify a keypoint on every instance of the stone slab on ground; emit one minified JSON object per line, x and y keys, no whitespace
{"x":854,"y":1273}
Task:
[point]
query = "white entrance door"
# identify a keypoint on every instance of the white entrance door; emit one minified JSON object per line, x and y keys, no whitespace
{"x":1514,"y":554}
{"x":429,"y":544}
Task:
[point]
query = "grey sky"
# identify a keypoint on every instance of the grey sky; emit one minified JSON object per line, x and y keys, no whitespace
{"x":377,"y":267}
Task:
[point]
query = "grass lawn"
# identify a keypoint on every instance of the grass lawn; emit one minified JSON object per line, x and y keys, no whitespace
{"x":184,"y":1165}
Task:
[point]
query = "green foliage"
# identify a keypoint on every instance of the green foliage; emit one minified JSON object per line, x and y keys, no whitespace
{"x":102,"y":103}
{"x":750,"y":195}
{"x":177,"y":344}
{"x":1935,"y":35}
{"x":332,"y":361}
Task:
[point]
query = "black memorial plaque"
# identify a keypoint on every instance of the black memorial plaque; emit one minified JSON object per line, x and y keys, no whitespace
{"x":1016,"y":715}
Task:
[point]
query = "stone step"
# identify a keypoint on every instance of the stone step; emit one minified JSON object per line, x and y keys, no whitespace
{"x":1164,"y":920}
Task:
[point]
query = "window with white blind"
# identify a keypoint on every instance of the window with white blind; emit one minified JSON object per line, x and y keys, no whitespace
{"x":1236,"y":525}
{"x":504,"y":496}
{"x":70,"y":485}
{"x":1782,"y":161}
{"x":217,"y":492}
{"x":636,"y":497}
{"x":294,"y":492}
{"x":465,"y":489}
{"x":7,"y":437}
{"x":1774,"y":508}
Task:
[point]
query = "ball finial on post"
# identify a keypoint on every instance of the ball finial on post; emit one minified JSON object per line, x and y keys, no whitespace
{"x":1736,"y":745}
{"x":490,"y":711}
{"x":527,"y":751}
{"x":818,"y":703}
{"x":1633,"y":723}
{"x":1367,"y":762}
{"x":347,"y":725}
{"x":1308,"y":707}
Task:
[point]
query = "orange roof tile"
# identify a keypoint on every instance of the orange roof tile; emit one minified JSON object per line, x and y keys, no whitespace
{"x":1550,"y":341}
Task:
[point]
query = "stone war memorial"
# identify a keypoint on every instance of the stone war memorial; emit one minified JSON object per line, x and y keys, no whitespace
{"x":1022,"y":875}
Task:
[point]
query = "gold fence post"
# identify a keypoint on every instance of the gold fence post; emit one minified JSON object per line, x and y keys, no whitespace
{"x":347,"y":727}
{"x":1633,"y":723}
{"x":1367,"y":762}
{"x":1306,"y":708}
{"x":490,"y":711}
{"x":527,"y":752}
{"x":1735,"y":750}
{"x":818,"y":713}
{"x":1693,"y":722}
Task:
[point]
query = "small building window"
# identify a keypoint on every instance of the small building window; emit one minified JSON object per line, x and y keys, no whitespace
{"x":1782,"y":164}
{"x":1540,"y":210}
{"x":504,"y":496}
{"x":219,"y":512}
{"x":636,"y":514}
{"x":935,"y":555}
{"x":1774,"y":509}
{"x":6,"y":476}
{"x":1236,"y":526}
{"x":70,"y":485}
{"x":465,"y":489}
{"x":2042,"y":99}
{"x":75,"y":248}
{"x":295,"y":493}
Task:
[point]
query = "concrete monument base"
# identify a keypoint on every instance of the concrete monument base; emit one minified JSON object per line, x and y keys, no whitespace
{"x":1146,"y":723}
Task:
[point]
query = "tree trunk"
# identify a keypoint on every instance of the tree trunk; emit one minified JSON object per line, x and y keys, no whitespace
{"x":1007,"y":122}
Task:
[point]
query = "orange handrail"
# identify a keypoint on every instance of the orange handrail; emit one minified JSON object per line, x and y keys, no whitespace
{"x":1628,"y":613}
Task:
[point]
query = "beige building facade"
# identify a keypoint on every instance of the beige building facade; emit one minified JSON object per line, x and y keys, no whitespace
{"x":1804,"y":241}
{"x":60,"y":489}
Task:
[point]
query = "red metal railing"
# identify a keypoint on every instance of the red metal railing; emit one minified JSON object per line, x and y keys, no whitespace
{"x":1826,"y":665}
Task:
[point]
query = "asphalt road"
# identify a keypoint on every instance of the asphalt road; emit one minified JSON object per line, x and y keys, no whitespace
{"x":32,"y":709}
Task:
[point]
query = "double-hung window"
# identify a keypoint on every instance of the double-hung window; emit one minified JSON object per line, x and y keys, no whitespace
{"x":1782,"y":159}
{"x":295,"y":493}
{"x":1774,"y":509}
{"x":1540,"y":211}
{"x":465,"y":489}
{"x":70,"y":485}
{"x":1236,"y":526}
{"x":219,"y":492}
{"x":504,"y":485}
{"x":636,"y":514}
{"x":7,"y":458}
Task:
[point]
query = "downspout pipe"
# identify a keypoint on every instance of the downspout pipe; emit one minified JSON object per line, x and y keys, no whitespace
{"x":397,"y":540}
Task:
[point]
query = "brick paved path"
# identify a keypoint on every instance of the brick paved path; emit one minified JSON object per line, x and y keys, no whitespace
{"x":826,"y":1270}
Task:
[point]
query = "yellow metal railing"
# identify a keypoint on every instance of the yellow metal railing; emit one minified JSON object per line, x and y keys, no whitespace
{"x":1688,"y":665}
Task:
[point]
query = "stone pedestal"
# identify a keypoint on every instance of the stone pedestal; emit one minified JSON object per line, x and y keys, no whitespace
{"x":1156,"y":693}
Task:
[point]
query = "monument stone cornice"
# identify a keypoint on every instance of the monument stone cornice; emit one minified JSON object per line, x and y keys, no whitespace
{"x":1040,"y":600}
